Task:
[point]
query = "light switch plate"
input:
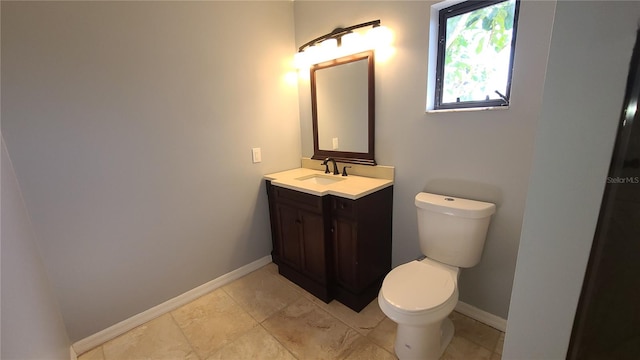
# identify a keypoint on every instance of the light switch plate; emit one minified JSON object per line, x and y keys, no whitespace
{"x":335,"y":143}
{"x":256,"y":155}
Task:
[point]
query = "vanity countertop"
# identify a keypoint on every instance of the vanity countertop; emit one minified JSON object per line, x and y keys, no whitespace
{"x":351,"y":187}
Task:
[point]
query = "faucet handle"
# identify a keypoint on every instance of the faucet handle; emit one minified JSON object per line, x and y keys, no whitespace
{"x":344,"y":170}
{"x":326,"y":166}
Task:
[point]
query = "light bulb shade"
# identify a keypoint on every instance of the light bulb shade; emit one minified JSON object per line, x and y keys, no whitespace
{"x":300,"y":60}
{"x":379,"y":36}
{"x":329,"y":44}
{"x":313,"y":53}
{"x":351,"y":40}
{"x":329,"y":49}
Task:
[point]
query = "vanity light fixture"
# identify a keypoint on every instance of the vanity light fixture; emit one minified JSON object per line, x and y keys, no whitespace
{"x":342,"y":42}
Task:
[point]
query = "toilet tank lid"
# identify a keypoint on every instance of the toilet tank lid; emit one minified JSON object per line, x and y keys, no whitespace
{"x":454,"y":206}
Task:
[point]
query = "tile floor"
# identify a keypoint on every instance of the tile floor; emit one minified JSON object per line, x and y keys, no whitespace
{"x":265,"y":316}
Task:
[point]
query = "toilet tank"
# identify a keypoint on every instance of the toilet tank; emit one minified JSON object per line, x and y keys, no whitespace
{"x":452,"y":230}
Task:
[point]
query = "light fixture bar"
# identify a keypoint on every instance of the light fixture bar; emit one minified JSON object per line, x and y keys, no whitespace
{"x":338,"y":33}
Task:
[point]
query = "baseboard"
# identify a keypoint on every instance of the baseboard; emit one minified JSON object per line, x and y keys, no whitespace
{"x":72,"y":353}
{"x":122,"y":327}
{"x":484,"y":317}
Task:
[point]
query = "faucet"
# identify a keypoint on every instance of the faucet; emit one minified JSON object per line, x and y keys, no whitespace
{"x":335,"y":167}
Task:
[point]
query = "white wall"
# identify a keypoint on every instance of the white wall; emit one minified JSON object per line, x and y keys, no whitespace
{"x":480,"y":155}
{"x":32,"y":326}
{"x":583,"y":95}
{"x":130,"y":126}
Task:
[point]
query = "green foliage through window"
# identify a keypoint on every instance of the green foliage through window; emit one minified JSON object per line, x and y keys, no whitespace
{"x":476,"y":53}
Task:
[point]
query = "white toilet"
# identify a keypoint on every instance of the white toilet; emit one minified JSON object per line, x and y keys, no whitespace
{"x":420,"y":295}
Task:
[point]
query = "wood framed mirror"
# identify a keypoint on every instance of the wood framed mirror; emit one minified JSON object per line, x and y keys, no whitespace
{"x":343,"y":109}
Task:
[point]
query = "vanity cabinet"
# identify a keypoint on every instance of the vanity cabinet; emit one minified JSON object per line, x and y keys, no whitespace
{"x":298,"y":226}
{"x":333,"y":247}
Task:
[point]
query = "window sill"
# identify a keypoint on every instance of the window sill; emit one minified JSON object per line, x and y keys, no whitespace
{"x":490,"y":108}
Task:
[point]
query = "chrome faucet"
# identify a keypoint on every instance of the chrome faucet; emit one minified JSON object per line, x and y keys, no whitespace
{"x":335,"y":167}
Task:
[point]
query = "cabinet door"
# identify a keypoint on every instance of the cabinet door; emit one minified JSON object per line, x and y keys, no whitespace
{"x":289,"y":226}
{"x":302,"y":241}
{"x":345,"y":245}
{"x":313,"y":247}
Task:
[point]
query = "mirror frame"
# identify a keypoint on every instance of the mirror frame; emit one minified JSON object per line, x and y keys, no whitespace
{"x":346,"y":156}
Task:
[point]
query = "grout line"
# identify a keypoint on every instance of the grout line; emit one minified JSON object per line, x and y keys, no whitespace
{"x":193,"y":350}
{"x":473,"y":339}
{"x":259,"y":323}
{"x":243,"y":310}
{"x":380,"y":344}
{"x":315,"y":301}
{"x":278,"y":340}
{"x":276,"y":277}
{"x":364,"y":337}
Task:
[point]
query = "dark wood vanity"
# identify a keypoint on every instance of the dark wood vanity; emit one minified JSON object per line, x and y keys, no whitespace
{"x":333,"y":247}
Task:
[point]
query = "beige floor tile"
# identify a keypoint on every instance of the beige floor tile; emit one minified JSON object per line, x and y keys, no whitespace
{"x":500,"y":344}
{"x":158,"y":339}
{"x":363,"y":322}
{"x":303,"y":292}
{"x":271,"y":268}
{"x":95,"y":354}
{"x":384,"y":334}
{"x":262,"y":293}
{"x":255,"y":344}
{"x":311,"y":333}
{"x":463,"y":349}
{"x":363,"y":349}
{"x":212,"y":321}
{"x":475,"y":331}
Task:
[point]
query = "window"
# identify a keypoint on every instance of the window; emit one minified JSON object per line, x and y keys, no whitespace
{"x":476,"y":42}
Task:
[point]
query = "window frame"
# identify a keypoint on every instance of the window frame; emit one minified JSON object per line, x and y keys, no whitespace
{"x":455,"y":10}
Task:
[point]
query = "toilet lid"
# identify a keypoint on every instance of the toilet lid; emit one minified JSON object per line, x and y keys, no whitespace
{"x":418,"y":286}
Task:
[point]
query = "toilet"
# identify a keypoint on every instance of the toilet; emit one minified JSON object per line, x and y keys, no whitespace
{"x":420,"y":295}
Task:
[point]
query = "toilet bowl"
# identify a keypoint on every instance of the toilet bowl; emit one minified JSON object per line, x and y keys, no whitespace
{"x":419,"y":296}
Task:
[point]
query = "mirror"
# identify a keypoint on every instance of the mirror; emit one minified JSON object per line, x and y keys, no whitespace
{"x":342,"y":106}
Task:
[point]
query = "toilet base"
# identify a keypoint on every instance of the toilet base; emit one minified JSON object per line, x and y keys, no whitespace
{"x":423,"y":342}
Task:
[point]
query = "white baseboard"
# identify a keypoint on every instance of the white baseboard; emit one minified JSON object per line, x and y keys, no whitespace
{"x":72,"y":353}
{"x":122,"y":327}
{"x":484,"y":317}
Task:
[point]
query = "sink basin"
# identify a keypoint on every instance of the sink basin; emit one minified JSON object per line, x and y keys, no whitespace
{"x":320,"y":179}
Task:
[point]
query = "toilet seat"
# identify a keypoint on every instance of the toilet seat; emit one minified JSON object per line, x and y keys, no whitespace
{"x":418,"y":286}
